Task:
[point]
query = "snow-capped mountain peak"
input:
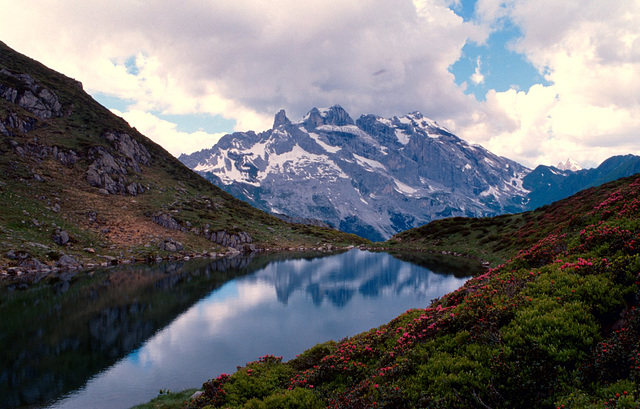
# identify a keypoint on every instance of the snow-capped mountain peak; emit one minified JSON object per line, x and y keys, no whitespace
{"x":570,"y":165}
{"x":373,"y":176}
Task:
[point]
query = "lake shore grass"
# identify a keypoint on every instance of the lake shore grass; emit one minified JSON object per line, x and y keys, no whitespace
{"x":168,"y":400}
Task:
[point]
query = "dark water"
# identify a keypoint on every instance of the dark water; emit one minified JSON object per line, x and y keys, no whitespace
{"x":113,"y":339}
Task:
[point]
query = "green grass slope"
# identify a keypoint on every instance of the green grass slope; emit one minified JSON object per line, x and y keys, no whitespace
{"x":558,"y":325}
{"x":46,"y":159}
{"x":497,"y":239}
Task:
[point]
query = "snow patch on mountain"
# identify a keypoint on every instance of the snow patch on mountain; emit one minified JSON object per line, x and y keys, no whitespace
{"x":323,"y":144}
{"x":368,"y":163}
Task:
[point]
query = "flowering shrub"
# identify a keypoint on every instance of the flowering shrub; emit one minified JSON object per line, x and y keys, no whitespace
{"x":543,"y":252}
{"x":604,"y":238}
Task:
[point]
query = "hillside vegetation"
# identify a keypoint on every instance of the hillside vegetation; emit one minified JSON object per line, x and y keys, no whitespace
{"x":496,"y":239}
{"x":557,"y":325}
{"x":79,"y":186}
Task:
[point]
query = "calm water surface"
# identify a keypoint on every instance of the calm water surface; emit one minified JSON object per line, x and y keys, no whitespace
{"x":113,"y":339}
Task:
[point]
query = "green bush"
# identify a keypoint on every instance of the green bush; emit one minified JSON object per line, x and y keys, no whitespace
{"x":294,"y":399}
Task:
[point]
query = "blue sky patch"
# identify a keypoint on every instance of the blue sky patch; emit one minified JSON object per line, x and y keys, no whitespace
{"x":131,"y":65}
{"x":501,"y":68}
{"x":465,"y":9}
{"x":199,"y":122}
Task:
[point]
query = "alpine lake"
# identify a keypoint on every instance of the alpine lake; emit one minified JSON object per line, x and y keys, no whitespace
{"x":114,"y":337}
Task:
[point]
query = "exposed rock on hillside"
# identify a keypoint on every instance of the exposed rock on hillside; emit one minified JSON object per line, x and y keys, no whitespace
{"x":238,"y":240}
{"x":109,"y":173}
{"x":30,"y":95}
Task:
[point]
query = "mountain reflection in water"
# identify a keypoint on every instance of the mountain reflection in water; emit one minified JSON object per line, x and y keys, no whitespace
{"x":115,"y":337}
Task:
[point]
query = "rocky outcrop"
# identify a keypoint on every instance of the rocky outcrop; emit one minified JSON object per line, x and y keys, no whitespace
{"x":336,"y":115}
{"x":30,"y":95}
{"x":170,"y":245}
{"x":166,"y":221}
{"x":281,"y":119}
{"x":135,"y":152}
{"x":68,"y":158}
{"x":12,"y":123}
{"x":39,"y":152}
{"x":240,"y":241}
{"x":109,"y":171}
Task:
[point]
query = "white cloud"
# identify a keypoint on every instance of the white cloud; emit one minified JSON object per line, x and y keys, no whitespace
{"x":477,"y":77}
{"x":245,"y":60}
{"x":590,"y":54}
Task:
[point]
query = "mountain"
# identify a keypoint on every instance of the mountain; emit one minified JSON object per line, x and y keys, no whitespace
{"x":373,"y":177}
{"x":80,"y":187}
{"x":570,"y":164}
{"x":546,"y":184}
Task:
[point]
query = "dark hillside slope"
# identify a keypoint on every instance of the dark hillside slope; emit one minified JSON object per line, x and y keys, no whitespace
{"x":558,"y":325}
{"x":79,"y":186}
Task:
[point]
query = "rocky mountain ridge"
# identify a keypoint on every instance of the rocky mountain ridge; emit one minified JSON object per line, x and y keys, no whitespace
{"x":373,"y":177}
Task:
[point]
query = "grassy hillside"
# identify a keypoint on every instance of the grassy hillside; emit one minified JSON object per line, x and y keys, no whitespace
{"x":497,"y":239}
{"x":77,"y":180}
{"x":558,"y":325}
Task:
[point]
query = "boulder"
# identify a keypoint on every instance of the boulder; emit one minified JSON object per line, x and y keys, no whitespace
{"x":61,"y":237}
{"x":170,"y":245}
{"x":166,"y":221}
{"x":196,"y":395}
{"x":67,"y":262}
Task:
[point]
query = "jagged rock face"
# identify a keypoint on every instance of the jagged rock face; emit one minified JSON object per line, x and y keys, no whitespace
{"x":110,"y":173}
{"x":373,"y":177}
{"x":31,"y":96}
{"x":135,"y":152}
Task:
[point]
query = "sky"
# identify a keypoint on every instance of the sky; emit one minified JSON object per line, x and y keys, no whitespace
{"x":535,"y":81}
